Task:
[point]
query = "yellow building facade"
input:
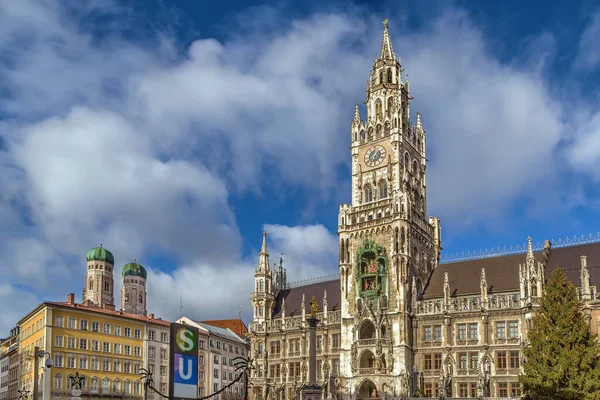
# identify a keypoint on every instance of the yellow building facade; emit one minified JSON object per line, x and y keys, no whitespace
{"x":104,"y":346}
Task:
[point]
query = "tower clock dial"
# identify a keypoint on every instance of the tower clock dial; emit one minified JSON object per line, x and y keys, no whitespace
{"x":374,"y":156}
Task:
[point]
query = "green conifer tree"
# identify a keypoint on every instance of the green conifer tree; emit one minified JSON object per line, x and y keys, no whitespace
{"x":562,"y":361}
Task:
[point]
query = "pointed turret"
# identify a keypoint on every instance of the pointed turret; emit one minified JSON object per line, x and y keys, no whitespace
{"x":356,"y":119}
{"x":263,"y":257}
{"x":419,"y":124}
{"x":529,"y":250}
{"x":387,"y":52}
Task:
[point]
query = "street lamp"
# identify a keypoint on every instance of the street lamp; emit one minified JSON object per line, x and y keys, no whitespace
{"x":49,"y":363}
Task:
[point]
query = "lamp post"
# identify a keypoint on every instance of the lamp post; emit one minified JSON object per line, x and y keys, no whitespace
{"x":49,"y":363}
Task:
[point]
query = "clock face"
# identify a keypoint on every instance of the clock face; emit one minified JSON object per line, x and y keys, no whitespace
{"x":374,"y":156}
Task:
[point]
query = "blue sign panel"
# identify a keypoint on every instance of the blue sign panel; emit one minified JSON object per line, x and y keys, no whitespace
{"x":184,"y":362}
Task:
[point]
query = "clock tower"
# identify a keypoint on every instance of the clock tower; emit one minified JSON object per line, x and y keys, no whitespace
{"x":387,"y":244}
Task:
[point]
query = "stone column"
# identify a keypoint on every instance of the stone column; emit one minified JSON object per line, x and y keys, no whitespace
{"x":312,"y":391}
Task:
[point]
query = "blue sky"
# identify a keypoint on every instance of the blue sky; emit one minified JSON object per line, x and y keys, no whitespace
{"x":176,"y":131}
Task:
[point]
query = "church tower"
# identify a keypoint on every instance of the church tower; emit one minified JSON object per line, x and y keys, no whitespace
{"x":263,"y":297}
{"x":99,"y":282}
{"x":133,"y":289}
{"x":387,"y":244}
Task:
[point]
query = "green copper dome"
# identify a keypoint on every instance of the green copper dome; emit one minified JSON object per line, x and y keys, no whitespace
{"x":100,"y":254}
{"x":134,"y":269}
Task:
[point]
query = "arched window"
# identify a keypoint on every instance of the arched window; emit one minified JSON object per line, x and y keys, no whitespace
{"x":380,"y":77}
{"x":261,"y":311}
{"x":116,"y":388}
{"x":106,"y":286}
{"x":126,"y":296}
{"x":58,"y":381}
{"x":383,"y":189}
{"x":261,"y":285}
{"x":368,"y":193}
{"x":415,"y":169}
{"x":406,"y":162}
{"x":91,"y":284}
{"x":389,"y":75}
{"x":141,"y":298}
{"x":94,"y":385}
{"x":105,"y":385}
{"x":136,"y":387}
{"x":390,"y":104}
{"x":378,"y":109}
{"x":127,"y":387}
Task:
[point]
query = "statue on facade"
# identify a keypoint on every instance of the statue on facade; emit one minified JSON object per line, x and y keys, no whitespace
{"x":354,"y":356}
{"x":314,"y":307}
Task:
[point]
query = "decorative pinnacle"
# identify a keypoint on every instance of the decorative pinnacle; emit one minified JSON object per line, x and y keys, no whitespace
{"x":385,"y":24}
{"x":529,"y":248}
{"x":263,"y":248}
{"x":356,"y":113}
{"x":419,"y":124}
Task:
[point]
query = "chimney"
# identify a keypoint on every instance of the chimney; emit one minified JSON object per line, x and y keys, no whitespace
{"x":71,"y":298}
{"x":151,"y":316}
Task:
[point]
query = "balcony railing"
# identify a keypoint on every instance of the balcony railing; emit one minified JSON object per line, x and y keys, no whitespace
{"x":470,"y":303}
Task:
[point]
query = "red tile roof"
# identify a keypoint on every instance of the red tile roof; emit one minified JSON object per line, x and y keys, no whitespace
{"x":100,"y":310}
{"x":236,"y":325}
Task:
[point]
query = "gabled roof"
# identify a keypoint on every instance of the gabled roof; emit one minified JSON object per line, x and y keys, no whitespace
{"x":236,"y":325}
{"x":502,"y":272}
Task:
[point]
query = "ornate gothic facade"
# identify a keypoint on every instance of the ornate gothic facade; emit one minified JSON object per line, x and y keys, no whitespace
{"x":397,"y":320}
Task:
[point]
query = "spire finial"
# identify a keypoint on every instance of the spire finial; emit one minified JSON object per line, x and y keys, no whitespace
{"x":529,"y":248}
{"x":100,"y":244}
{"x":263,"y":257}
{"x":135,"y":260}
{"x":419,"y":124}
{"x":356,"y":113}
{"x":386,"y":45}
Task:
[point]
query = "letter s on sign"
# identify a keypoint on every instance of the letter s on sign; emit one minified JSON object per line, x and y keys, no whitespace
{"x":185,"y":339}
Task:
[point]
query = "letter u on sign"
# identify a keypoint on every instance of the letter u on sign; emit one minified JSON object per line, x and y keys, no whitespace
{"x":186,"y":369}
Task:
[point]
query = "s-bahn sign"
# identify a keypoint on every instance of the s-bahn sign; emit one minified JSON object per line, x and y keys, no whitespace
{"x":184,"y":362}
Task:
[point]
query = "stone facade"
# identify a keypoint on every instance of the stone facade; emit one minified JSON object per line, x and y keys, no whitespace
{"x":397,"y":320}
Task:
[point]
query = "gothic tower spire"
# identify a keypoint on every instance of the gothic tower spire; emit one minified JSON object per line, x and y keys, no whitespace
{"x":387,"y":52}
{"x":263,"y":296}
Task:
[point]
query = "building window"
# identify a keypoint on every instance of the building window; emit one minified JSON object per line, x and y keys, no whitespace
{"x":383,"y":192}
{"x":427,"y":334}
{"x":83,"y":362}
{"x":427,"y":362}
{"x":216,"y":373}
{"x":514,"y":359}
{"x":127,"y":332}
{"x":500,"y":330}
{"x":137,"y":351}
{"x":137,"y":333}
{"x":462,"y":332}
{"x":151,"y":335}
{"x":463,"y":389}
{"x":58,"y":360}
{"x":163,"y":370}
{"x":127,"y":349}
{"x":72,"y":323}
{"x":474,"y":361}
{"x":107,"y":329}
{"x":437,"y":361}
{"x":164,"y":337}
{"x":502,"y":389}
{"x":83,"y":344}
{"x":106,"y":347}
{"x":462,"y":364}
{"x":501,"y":360}
{"x":83,"y":325}
{"x":117,"y":348}
{"x":151,"y":351}
{"x":335,"y":340}
{"x":216,"y":359}
{"x":117,"y":330}
{"x":106,"y":364}
{"x":513,"y":329}
{"x":437,"y":333}
{"x":58,"y":381}
{"x":163,"y":354}
{"x":473,"y":332}
{"x":117,"y":366}
{"x":515,"y":389}
{"x":201,"y":344}
{"x":59,"y":341}
{"x":95,"y":326}
{"x":201,"y":359}
{"x":95,"y":345}
{"x":71,"y":362}
{"x":60,"y":323}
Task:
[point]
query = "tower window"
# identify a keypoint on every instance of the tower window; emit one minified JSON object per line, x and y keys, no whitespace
{"x":383,"y":190}
{"x":368,"y":193}
{"x":91,"y":284}
{"x":378,"y":109}
{"x":126,"y":297}
{"x":389,"y":75}
{"x":141,"y":299}
{"x":106,"y":286}
{"x":261,"y":286}
{"x":260,"y":311}
{"x":380,"y":77}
